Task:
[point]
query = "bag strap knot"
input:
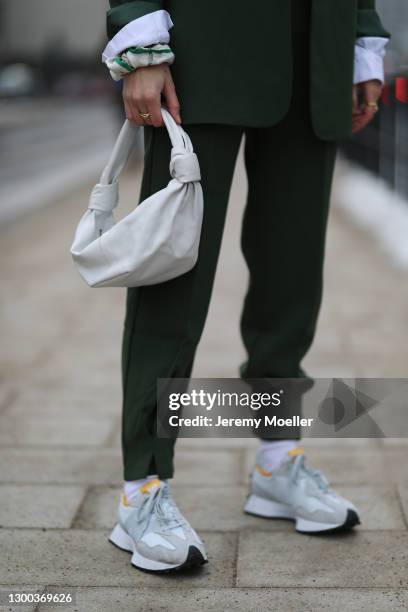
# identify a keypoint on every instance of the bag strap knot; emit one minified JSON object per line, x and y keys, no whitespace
{"x":184,"y":166}
{"x":104,"y":197}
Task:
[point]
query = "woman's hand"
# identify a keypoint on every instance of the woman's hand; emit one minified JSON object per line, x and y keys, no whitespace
{"x":142,"y":92}
{"x":365,"y":100}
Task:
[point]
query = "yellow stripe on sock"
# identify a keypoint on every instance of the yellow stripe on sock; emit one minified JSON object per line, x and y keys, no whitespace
{"x":151,"y":483}
{"x":262,"y":472}
{"x":299,"y":450}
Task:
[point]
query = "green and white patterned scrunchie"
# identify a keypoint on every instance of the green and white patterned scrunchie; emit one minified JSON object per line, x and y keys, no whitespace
{"x":137,"y":57}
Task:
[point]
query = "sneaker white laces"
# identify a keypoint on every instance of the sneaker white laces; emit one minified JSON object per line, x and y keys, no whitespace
{"x":162,"y":506}
{"x":300,"y":468}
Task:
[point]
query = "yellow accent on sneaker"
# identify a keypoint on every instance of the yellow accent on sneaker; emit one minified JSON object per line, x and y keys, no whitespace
{"x":124,"y":500}
{"x":299,"y":450}
{"x":262,"y":472}
{"x":148,"y":485}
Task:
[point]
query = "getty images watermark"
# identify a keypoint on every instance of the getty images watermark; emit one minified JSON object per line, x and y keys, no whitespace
{"x":216,"y":402}
{"x":282,"y":408}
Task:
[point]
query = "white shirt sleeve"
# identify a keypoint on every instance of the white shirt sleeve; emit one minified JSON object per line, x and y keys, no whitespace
{"x":369,"y":58}
{"x":149,"y":29}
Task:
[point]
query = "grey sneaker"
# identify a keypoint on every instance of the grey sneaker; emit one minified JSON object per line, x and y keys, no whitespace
{"x":295,"y":491}
{"x":155,"y":532}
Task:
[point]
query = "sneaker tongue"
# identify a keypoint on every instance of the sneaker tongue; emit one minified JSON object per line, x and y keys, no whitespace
{"x":151,"y":486}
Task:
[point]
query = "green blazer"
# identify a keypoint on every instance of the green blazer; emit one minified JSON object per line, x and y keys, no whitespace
{"x":213,"y":87}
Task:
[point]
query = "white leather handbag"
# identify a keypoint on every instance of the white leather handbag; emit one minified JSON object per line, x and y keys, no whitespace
{"x":159,"y":239}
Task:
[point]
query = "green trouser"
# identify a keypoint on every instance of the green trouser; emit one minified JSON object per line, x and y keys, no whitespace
{"x":283,"y":235}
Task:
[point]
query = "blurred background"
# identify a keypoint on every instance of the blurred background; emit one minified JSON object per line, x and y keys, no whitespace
{"x":59,"y":108}
{"x":60,"y":395}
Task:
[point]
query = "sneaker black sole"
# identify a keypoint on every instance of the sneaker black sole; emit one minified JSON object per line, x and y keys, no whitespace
{"x":351,"y":521}
{"x":194,"y":560}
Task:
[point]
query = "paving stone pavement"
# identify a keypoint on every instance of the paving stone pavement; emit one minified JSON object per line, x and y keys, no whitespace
{"x":60,"y":460}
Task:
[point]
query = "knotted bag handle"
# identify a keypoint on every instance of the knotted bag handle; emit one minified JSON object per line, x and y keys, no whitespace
{"x":126,"y":141}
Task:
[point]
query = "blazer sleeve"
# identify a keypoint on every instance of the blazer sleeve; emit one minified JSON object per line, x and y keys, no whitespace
{"x":122,"y":12}
{"x":368,"y":20}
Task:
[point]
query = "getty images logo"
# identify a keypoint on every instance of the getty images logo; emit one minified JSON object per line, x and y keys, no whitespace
{"x":346,"y":407}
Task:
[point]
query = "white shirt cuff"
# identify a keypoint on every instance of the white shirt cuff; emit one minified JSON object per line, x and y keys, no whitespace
{"x":149,"y":29}
{"x":369,"y":59}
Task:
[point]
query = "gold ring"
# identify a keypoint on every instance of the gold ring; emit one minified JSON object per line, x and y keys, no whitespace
{"x":144,"y":115}
{"x":374,"y":105}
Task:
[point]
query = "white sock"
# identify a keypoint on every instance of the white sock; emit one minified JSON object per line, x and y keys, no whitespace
{"x":272,"y":452}
{"x":131,"y":487}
